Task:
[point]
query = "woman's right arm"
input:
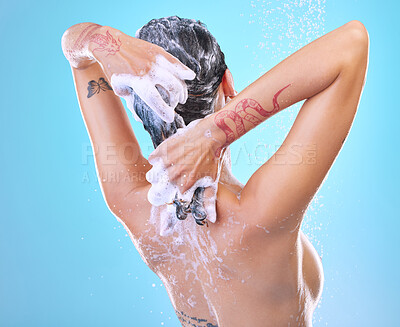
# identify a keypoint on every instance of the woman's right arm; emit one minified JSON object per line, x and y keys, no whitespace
{"x":329,"y":73}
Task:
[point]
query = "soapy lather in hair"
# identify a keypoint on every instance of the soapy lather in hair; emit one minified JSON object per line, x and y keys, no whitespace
{"x":163,"y":74}
{"x":194,"y":98}
{"x":163,"y":191}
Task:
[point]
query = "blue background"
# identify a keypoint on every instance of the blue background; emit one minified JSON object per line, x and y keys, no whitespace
{"x":66,"y":261}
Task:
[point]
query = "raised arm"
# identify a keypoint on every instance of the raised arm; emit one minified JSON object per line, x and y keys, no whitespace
{"x":330,"y":74}
{"x":99,"y":55}
{"x":119,"y":161}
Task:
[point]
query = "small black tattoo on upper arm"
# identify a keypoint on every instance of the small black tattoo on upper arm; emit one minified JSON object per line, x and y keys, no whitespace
{"x":95,"y":87}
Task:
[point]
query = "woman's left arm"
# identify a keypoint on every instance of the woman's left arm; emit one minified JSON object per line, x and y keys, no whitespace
{"x":97,"y":54}
{"x":120,"y":164}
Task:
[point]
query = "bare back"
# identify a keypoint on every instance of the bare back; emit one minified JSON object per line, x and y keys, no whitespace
{"x":231,"y":267}
{"x":254,"y":266}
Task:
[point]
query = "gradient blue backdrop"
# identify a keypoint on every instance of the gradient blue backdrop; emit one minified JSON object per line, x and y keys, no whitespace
{"x":65,"y":260}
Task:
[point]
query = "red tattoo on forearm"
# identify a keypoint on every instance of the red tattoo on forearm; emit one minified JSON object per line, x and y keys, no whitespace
{"x":106,"y":43}
{"x":245,"y":111}
{"x":275,"y":101}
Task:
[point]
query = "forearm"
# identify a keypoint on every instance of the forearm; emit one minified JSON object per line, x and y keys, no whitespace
{"x":301,"y":76}
{"x":117,"y":154}
{"x":75,"y":44}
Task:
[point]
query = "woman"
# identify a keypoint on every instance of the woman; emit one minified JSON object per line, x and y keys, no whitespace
{"x":253,"y":266}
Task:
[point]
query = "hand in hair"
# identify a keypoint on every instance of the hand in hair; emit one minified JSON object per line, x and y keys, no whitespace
{"x":143,"y":65}
{"x":189,"y":156}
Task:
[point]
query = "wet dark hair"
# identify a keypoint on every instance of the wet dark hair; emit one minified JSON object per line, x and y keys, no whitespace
{"x":191,"y":42}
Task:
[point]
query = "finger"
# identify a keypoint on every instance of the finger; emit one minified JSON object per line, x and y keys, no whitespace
{"x":160,"y":193}
{"x":210,"y":202}
{"x":184,"y":93}
{"x":175,"y":175}
{"x":154,"y":100}
{"x":151,"y":175}
{"x":177,"y":68}
{"x":158,"y":153}
{"x":182,"y":185}
{"x":185,"y":73}
{"x":170,"y":97}
{"x":185,"y":182}
{"x":161,"y":190}
{"x":180,"y":71}
{"x":172,"y":85}
{"x":153,"y":156}
{"x":148,"y":92}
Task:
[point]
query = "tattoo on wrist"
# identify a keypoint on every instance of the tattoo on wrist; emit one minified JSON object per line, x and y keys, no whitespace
{"x":247,"y":110}
{"x":95,"y":87}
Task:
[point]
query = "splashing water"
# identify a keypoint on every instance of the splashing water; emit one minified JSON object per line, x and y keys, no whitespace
{"x":285,"y":27}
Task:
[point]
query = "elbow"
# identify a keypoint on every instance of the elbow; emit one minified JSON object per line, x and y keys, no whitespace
{"x":67,"y":43}
{"x":358,"y":38}
{"x":75,"y":51}
{"x":67,"y":37}
{"x":356,"y":46}
{"x":64,"y":41}
{"x":359,"y":33}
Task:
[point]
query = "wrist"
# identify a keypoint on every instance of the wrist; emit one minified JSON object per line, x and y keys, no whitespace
{"x":214,"y":135}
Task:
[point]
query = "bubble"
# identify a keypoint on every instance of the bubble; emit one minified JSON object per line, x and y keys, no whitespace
{"x":163,"y":77}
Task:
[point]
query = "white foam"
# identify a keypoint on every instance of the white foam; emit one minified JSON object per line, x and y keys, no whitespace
{"x":137,"y":32}
{"x":162,"y":73}
{"x":163,"y":191}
